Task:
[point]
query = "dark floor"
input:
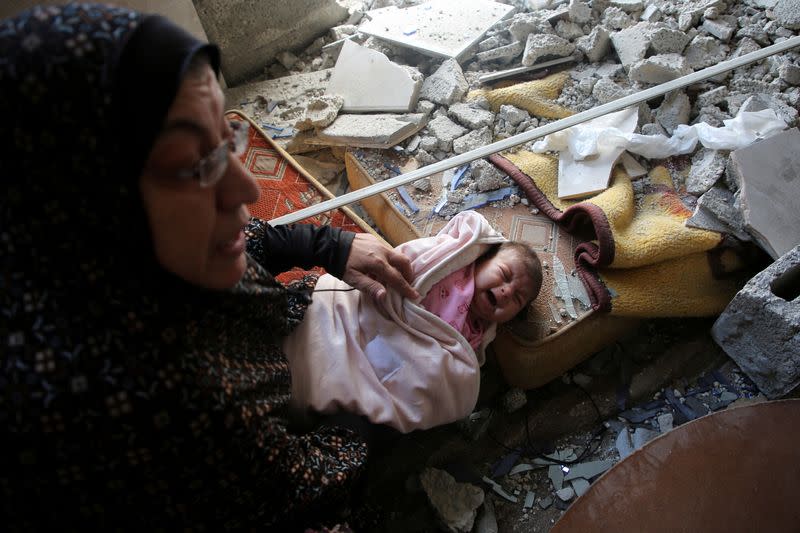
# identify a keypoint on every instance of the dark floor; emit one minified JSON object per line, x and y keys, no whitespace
{"x":662,"y":353}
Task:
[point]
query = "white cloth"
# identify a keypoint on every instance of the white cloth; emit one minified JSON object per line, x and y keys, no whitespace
{"x":397,"y":364}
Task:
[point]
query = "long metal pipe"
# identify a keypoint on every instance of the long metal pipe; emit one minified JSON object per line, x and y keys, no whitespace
{"x":537,"y":133}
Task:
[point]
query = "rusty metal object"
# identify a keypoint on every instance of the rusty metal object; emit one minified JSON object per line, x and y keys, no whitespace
{"x":734,"y":470}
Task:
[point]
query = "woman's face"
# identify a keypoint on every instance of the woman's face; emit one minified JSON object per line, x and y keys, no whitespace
{"x":197,"y":231}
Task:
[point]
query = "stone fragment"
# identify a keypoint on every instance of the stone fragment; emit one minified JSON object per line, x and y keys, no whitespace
{"x":707,"y":167}
{"x":487,"y":176}
{"x":667,"y":40}
{"x":665,"y":422}
{"x":789,"y":73}
{"x":629,"y":6}
{"x":606,"y":90}
{"x":369,"y":131}
{"x":651,"y":13}
{"x":445,"y":86}
{"x":787,"y":13}
{"x":659,"y":69}
{"x":525,"y":24}
{"x":642,"y":436}
{"x":445,"y":131}
{"x":512,"y":115}
{"x":631,"y":44}
{"x":588,"y":470}
{"x":470,"y":116}
{"x":755,"y":32}
{"x":580,"y":12}
{"x":287,"y":59}
{"x":369,"y":82}
{"x":580,"y":486}
{"x":768,"y":172}
{"x":472,"y":140}
{"x":624,"y":444}
{"x":674,"y":111}
{"x":719,"y":28}
{"x":721,"y":202}
{"x":509,"y":51}
{"x":320,"y":112}
{"x":758,"y":329}
{"x":546,"y":502}
{"x":556,"y":476}
{"x":566,"y":494}
{"x":595,"y":45}
{"x":543,"y":45}
{"x":705,"y":51}
{"x":455,"y":503}
{"x":616,"y":19}
{"x":569,"y":30}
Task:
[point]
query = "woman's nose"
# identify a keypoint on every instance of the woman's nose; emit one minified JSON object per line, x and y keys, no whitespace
{"x":237,"y":186}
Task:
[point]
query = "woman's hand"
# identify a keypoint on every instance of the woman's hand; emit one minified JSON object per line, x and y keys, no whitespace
{"x":372,"y":266}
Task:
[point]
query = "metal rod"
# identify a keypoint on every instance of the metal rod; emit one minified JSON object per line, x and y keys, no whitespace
{"x":536,"y":133}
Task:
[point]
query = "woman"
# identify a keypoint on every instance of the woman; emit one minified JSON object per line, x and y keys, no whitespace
{"x":142,"y":381}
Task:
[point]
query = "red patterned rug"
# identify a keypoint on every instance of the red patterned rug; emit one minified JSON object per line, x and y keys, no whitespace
{"x":286,"y":187}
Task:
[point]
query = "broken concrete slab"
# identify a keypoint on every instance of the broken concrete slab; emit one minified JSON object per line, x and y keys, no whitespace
{"x":320,"y":112}
{"x":439,"y":28}
{"x":674,"y":111}
{"x":472,"y":140}
{"x":659,"y":69}
{"x":445,"y":131}
{"x":545,"y":45}
{"x":455,"y":503}
{"x":768,"y":172}
{"x":445,"y":86}
{"x":595,"y":45}
{"x":282,"y":90}
{"x":368,"y":82}
{"x":720,"y":202}
{"x":506,"y":52}
{"x":707,"y":167}
{"x":588,"y":470}
{"x":758,"y":329}
{"x":470,"y":116}
{"x":369,"y":131}
{"x":631,"y":44}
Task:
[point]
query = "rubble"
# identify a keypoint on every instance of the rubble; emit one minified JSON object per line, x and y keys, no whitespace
{"x":445,"y":86}
{"x":369,"y":131}
{"x":759,"y":328}
{"x":456,"y":503}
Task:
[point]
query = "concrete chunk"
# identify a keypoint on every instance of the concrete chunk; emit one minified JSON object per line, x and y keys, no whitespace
{"x":370,"y":131}
{"x":369,"y":82}
{"x":707,"y":167}
{"x":445,"y":131}
{"x":674,"y":111}
{"x":580,"y":12}
{"x":629,"y":6}
{"x":769,"y":175}
{"x":722,"y":203}
{"x":472,"y":140}
{"x":760,"y":101}
{"x":759,"y":328}
{"x":319,"y":112}
{"x":538,"y":46}
{"x":659,"y":69}
{"x":705,"y":51}
{"x":668,"y":41}
{"x":632,"y":43}
{"x":787,"y":13}
{"x":595,"y":45}
{"x":508,"y":51}
{"x":719,"y":28}
{"x":445,"y":86}
{"x":470,"y":116}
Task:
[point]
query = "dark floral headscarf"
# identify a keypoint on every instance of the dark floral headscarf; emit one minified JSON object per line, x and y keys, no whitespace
{"x":128,"y":398}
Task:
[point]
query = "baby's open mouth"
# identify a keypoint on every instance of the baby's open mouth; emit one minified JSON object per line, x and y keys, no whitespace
{"x":490,"y":296}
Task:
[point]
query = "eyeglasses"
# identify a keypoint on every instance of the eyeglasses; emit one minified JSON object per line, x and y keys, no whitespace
{"x":212,"y":167}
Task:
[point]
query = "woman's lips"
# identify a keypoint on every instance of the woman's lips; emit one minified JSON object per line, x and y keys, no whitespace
{"x":235,"y":246}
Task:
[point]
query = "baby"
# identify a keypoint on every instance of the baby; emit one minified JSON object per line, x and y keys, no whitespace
{"x":413,"y":365}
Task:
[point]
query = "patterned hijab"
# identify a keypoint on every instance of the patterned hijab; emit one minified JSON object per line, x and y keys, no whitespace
{"x":112,"y":370}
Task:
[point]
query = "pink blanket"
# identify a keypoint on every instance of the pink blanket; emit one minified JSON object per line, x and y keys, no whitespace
{"x":397,"y":364}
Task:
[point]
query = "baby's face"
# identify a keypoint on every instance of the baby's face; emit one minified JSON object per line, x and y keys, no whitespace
{"x":502,"y":287}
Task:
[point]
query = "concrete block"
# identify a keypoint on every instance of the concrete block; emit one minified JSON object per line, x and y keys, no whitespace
{"x":787,"y":13}
{"x":508,"y":51}
{"x":524,"y":24}
{"x":579,"y":12}
{"x":720,"y":28}
{"x":446,"y":131}
{"x":543,"y":45}
{"x":768,"y":172}
{"x":628,"y":6}
{"x":760,"y":101}
{"x":569,"y":30}
{"x":445,"y":86}
{"x":659,"y":69}
{"x":722,"y":203}
{"x":616,"y":19}
{"x":707,"y":167}
{"x":320,"y":112}
{"x":674,"y":111}
{"x":368,"y":82}
{"x":668,"y":41}
{"x":606,"y":90}
{"x":369,"y":131}
{"x":651,"y":13}
{"x":472,"y":140}
{"x":631,"y":44}
{"x":595,"y":45}
{"x":759,"y":328}
{"x":470,"y":116}
{"x":705,"y":51}
{"x":251,"y":34}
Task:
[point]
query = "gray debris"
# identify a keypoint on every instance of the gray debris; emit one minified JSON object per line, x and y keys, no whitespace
{"x":472,"y":140}
{"x":659,"y":69}
{"x":507,"y":52}
{"x":705,"y":51}
{"x":445,"y":131}
{"x":487,"y":520}
{"x":595,"y":45}
{"x":606,"y":90}
{"x":580,"y":486}
{"x":757,"y":102}
{"x":624,"y":444}
{"x":470,"y":116}
{"x":455,"y":503}
{"x":707,"y":167}
{"x":642,"y":436}
{"x":556,"y":476}
{"x":320,"y":112}
{"x":616,"y":19}
{"x":789,"y":73}
{"x":632,"y":43}
{"x":546,"y":502}
{"x":722,"y":29}
{"x":487,"y":176}
{"x":665,"y":422}
{"x":722,"y":203}
{"x":759,"y":327}
{"x":787,"y":13}
{"x":445,"y":86}
{"x":668,"y":41}
{"x":566,"y":494}
{"x":513,"y":115}
{"x":579,"y":12}
{"x":544,"y":45}
{"x":529,"y":499}
{"x":569,"y":30}
{"x":651,"y":13}
{"x":674,"y":111}
{"x":629,"y":6}
{"x":588,"y":470}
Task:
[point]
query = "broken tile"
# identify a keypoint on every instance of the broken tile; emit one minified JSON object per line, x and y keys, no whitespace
{"x":369,"y":82}
{"x":665,"y":422}
{"x":578,"y":179}
{"x":556,"y":476}
{"x":546,"y":502}
{"x":529,"y":498}
{"x":580,"y":486}
{"x":369,"y":131}
{"x":769,"y":174}
{"x":565,"y":494}
{"x":588,"y":470}
{"x":439,"y":28}
{"x":624,"y":444}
